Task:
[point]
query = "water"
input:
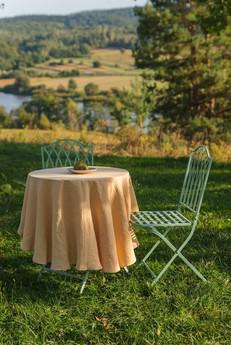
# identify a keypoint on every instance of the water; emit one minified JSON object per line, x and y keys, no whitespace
{"x":91,"y":111}
{"x":11,"y":102}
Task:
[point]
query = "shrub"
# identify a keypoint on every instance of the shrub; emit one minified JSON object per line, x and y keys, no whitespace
{"x":72,"y":85}
{"x":96,"y":64}
{"x":60,"y":88}
{"x":44,"y":122}
{"x":91,"y":89}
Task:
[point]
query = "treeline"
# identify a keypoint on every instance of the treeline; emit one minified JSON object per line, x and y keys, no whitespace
{"x":113,"y":17}
{"x":29,"y":40}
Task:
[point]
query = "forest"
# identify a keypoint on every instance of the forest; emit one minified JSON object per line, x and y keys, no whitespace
{"x":28,"y":40}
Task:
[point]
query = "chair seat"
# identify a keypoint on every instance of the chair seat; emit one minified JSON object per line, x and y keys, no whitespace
{"x":160,"y":219}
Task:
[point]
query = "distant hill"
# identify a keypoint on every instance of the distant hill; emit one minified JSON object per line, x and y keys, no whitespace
{"x":33,"y":39}
{"x":114,"y":17}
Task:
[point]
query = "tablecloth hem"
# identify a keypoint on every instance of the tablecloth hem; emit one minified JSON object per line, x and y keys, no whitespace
{"x":58,"y":268}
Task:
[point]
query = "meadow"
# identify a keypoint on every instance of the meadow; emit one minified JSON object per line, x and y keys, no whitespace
{"x":119,"y":308}
{"x":127,"y":142}
{"x":105,"y":83}
{"x":116,"y":70}
{"x":113,"y":61}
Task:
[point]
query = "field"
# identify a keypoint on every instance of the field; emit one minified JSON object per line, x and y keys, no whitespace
{"x":118,"y":308}
{"x":113,"y":62}
{"x":5,"y":82}
{"x":117,"y":70}
{"x":104,"y":82}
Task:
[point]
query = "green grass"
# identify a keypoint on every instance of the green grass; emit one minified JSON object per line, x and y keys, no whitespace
{"x":116,"y":308}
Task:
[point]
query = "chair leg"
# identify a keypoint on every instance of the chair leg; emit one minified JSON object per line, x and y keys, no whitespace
{"x":177,"y":254}
{"x":149,"y":269}
{"x":151,"y":251}
{"x":126,"y":269}
{"x":75,"y":276}
{"x":84,"y":283}
{"x":193,"y":268}
{"x":157,"y":278}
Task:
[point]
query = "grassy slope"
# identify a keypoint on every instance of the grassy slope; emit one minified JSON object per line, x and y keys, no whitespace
{"x":112,"y":60}
{"x":104,"y":82}
{"x":119,"y":309}
{"x":117,"y":71}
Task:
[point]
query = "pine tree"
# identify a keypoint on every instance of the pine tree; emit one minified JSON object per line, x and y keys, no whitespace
{"x":191,"y":61}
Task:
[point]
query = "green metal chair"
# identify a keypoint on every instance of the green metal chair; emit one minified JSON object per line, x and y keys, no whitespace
{"x":66,"y":152}
{"x":190,"y":200}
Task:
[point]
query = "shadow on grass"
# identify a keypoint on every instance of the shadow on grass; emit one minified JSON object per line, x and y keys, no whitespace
{"x":20,"y":275}
{"x":157,"y":183}
{"x":209,"y":245}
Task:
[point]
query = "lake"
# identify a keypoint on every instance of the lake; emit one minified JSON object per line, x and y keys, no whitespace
{"x":11,"y":102}
{"x":92,"y":111}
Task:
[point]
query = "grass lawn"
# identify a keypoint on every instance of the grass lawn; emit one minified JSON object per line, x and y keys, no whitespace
{"x":116,"y":308}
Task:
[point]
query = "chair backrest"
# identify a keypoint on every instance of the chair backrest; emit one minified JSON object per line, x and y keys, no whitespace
{"x":195,"y":181}
{"x":66,"y":152}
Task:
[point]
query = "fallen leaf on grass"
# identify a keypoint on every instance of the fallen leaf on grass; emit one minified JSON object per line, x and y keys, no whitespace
{"x":104,"y":321}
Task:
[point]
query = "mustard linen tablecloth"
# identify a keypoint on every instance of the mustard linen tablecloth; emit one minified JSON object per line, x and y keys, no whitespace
{"x":80,"y":220}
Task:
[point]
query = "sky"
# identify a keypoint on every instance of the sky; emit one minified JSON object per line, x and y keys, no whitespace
{"x":10,"y":8}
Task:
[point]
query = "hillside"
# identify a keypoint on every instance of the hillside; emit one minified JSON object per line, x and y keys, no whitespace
{"x":114,"y":17}
{"x":29,"y":40}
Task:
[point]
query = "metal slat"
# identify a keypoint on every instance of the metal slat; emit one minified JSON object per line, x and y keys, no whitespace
{"x":200,"y":186}
{"x":188,"y":182}
{"x":183,"y":217}
{"x":162,"y":217}
{"x":195,"y":179}
{"x":175,"y":216}
{"x":170,"y":216}
{"x":153,"y":216}
{"x":148,"y":215}
{"x":66,"y":152}
{"x":191,"y":181}
{"x":197,"y":183}
{"x":158,"y":218}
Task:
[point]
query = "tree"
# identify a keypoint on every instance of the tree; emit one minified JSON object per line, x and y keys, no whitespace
{"x":132,"y":106}
{"x":22,"y":83}
{"x":189,"y":61}
{"x":24,"y":118}
{"x":44,"y":122}
{"x":216,"y":17}
{"x":72,"y":85}
{"x":71,"y":114}
{"x":47,"y":101}
{"x":61,"y":88}
{"x":5,"y":119}
{"x":96,"y":64}
{"x":91,"y":89}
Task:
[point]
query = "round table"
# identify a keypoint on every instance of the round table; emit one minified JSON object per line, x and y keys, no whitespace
{"x":79,"y":220}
